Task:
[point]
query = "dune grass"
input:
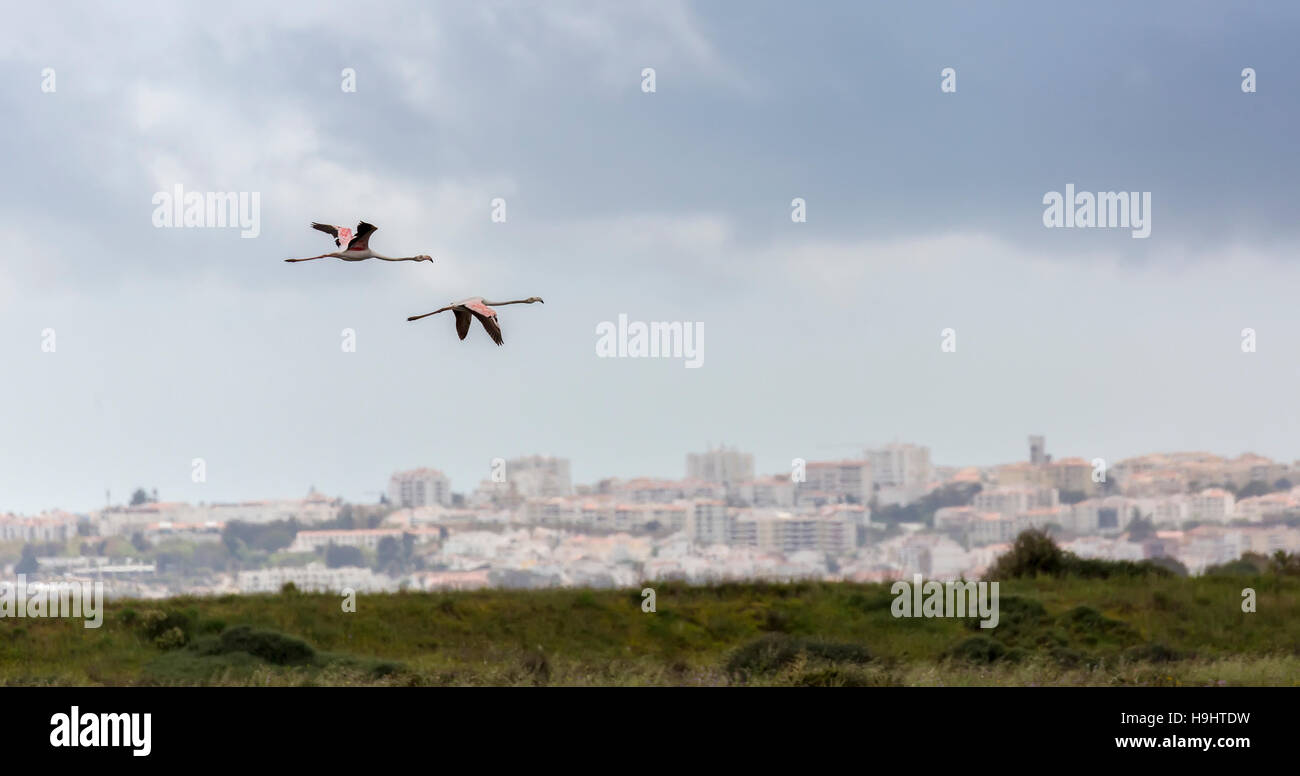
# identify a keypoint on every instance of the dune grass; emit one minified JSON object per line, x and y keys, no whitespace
{"x":1124,"y":631}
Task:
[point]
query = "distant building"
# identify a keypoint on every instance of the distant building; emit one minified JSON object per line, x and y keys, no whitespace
{"x":708,"y":522}
{"x":768,"y":492}
{"x":58,"y":527}
{"x":720,"y":465}
{"x":776,"y":531}
{"x":835,"y":481}
{"x":900,"y":473}
{"x":310,"y":541}
{"x":1213,"y":505}
{"x":538,"y":476}
{"x":1013,"y":501}
{"x":419,"y":488}
{"x":1038,"y":451}
{"x":315,"y":577}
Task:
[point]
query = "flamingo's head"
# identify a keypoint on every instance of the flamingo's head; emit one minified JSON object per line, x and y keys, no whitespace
{"x":532,"y":299}
{"x":422,"y":257}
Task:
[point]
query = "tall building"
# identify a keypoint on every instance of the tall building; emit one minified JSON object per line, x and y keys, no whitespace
{"x":903,"y":470}
{"x":833,"y":481}
{"x":720,"y":465}
{"x":709,"y":522}
{"x":1038,"y":450}
{"x":419,"y":488}
{"x":539,"y":476}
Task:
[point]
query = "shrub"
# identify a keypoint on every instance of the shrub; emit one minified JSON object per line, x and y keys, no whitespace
{"x":537,"y":666}
{"x":1090,"y":626}
{"x":271,"y":646}
{"x":1036,"y":554}
{"x":977,"y":649}
{"x":172,"y":638}
{"x":1155,"y":652}
{"x":775,"y":651}
{"x":153,"y":623}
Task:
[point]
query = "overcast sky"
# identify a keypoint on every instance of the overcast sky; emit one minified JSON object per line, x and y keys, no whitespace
{"x":924,"y":212}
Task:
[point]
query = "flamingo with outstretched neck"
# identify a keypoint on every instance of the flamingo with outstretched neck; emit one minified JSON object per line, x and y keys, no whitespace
{"x":474,"y":307}
{"x":358,"y":244}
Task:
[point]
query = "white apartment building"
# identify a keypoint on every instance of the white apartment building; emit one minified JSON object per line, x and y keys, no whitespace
{"x":538,"y":476}
{"x":831,"y":481}
{"x":315,"y":577}
{"x":777,"y":531}
{"x":768,"y":492}
{"x":315,"y":508}
{"x":900,"y":473}
{"x":720,"y":465}
{"x":991,"y":528}
{"x":708,"y":522}
{"x":419,"y":488}
{"x":49,"y":528}
{"x":1213,"y":505}
{"x":552,"y":511}
{"x":1013,"y":501}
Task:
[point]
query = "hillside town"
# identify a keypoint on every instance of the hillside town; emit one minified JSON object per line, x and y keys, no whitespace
{"x":884,"y":515}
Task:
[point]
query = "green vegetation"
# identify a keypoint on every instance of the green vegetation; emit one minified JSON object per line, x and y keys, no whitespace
{"x":1254,"y":564}
{"x":1062,"y":620}
{"x":1054,"y":629}
{"x":1035,"y":554}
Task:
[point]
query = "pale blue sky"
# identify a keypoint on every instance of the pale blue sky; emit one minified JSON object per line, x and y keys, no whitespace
{"x":924,"y":212}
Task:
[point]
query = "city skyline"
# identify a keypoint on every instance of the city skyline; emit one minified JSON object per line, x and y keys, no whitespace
{"x":466,"y":489}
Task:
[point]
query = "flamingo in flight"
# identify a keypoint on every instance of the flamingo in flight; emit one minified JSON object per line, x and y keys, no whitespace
{"x":475,"y":307}
{"x":358,"y":244}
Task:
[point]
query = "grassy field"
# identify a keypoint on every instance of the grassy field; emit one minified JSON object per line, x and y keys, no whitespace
{"x":1140,"y":631}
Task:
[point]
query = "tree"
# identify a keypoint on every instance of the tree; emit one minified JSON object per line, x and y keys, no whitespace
{"x":338,"y":556}
{"x":1173,"y":564}
{"x":1140,"y":529}
{"x":388,"y":553}
{"x":28,"y":563}
{"x":1254,"y":488}
{"x":139,"y":497}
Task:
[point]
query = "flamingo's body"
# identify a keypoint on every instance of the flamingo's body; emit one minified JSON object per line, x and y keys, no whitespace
{"x":358,"y":244}
{"x":474,"y":307}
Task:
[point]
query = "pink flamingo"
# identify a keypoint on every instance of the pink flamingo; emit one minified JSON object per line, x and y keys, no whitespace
{"x":358,"y":246}
{"x":475,"y":307}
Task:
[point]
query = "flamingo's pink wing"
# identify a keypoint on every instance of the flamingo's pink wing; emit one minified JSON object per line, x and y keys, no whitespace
{"x":480,"y":308}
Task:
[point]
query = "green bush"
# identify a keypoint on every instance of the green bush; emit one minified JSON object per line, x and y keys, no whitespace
{"x":172,"y":638}
{"x":1154,"y":652}
{"x":271,"y":646}
{"x":153,"y":623}
{"x":776,"y":650}
{"x":1034,"y":554}
{"x":977,"y":649}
